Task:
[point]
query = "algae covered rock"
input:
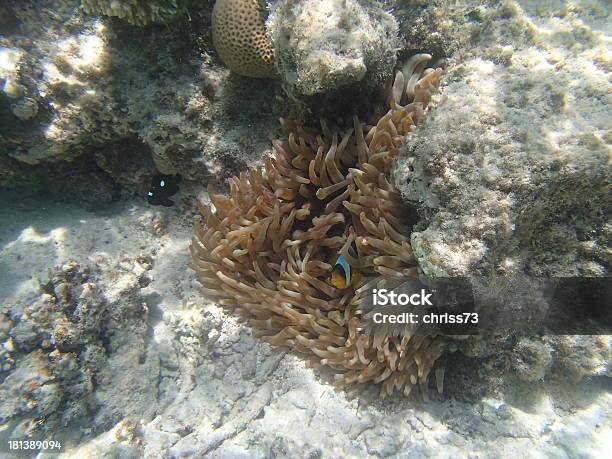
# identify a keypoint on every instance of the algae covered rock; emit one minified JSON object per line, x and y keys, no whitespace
{"x":531,"y":358}
{"x":507,"y":175}
{"x":9,"y":71}
{"x":510,"y":170}
{"x":580,"y":356}
{"x":331,"y":46}
{"x":60,"y":345}
{"x":49,"y":337}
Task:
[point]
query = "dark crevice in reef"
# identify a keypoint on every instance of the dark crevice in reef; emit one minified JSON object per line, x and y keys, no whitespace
{"x":181,"y":38}
{"x":462,"y":379}
{"x":128,"y":161}
{"x":95,"y":179}
{"x":341,"y":105}
{"x":9,"y":23}
{"x":80,"y":181}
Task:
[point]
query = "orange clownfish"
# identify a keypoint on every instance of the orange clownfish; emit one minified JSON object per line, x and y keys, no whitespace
{"x":343,"y":276}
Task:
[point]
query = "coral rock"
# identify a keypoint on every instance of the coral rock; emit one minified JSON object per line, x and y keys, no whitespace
{"x":498,"y":192}
{"x":137,"y":12}
{"x":323,"y":47}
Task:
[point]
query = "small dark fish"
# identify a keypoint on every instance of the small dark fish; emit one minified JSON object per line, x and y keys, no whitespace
{"x":162,"y":187}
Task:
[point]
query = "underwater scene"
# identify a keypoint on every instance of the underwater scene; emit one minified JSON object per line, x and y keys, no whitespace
{"x":305,"y":229}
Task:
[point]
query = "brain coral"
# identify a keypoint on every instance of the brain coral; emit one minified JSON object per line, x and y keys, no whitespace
{"x":266,"y":251}
{"x":239,"y":36}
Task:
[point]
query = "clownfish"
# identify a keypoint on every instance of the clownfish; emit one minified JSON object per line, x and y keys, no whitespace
{"x":343,"y":276}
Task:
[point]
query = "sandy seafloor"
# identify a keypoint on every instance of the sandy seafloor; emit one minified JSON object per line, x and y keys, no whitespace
{"x":207,"y":387}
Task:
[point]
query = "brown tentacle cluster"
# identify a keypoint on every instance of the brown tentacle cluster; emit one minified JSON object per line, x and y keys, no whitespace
{"x":267,"y":249}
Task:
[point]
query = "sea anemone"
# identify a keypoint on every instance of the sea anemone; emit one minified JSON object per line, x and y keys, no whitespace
{"x":266,"y":250}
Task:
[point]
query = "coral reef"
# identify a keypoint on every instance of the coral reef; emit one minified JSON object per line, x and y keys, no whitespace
{"x":137,"y":12}
{"x":24,"y":107}
{"x":239,"y":36}
{"x":498,"y":366}
{"x":20,"y":100}
{"x":122,"y":100}
{"x":337,"y":46}
{"x":531,"y":359}
{"x":582,"y":356}
{"x":504,"y":182}
{"x":56,"y":347}
{"x":267,"y":249}
{"x":577,"y":357}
